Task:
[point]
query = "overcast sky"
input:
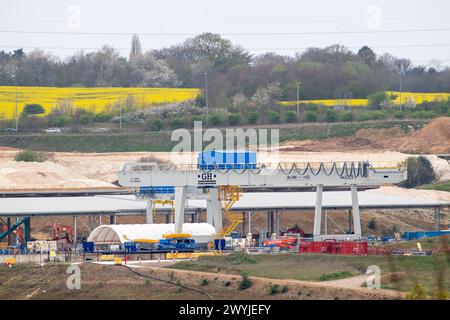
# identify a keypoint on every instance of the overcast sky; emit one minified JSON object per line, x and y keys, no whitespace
{"x":283,"y":26}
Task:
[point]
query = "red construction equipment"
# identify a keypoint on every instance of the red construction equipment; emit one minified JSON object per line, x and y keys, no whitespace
{"x":354,"y":248}
{"x":62,"y":232}
{"x":18,"y":233}
{"x":285,"y":243}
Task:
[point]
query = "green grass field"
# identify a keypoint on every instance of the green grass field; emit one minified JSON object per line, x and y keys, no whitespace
{"x":398,"y":272}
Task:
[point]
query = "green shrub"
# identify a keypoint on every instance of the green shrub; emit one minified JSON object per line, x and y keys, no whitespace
{"x":420,"y":172}
{"x":101,"y":117}
{"x":423,"y":114}
{"x":215,"y":119}
{"x":310,"y":116}
{"x":245,"y":283}
{"x":335,"y":275}
{"x":274,"y":289}
{"x":204,"y":282}
{"x":399,"y":114}
{"x":372,"y":224}
{"x":274,"y":117}
{"x":291,"y":117}
{"x":84,"y":119}
{"x":285,"y":289}
{"x":156,"y":125}
{"x":376,"y":99}
{"x":331,"y":115}
{"x":61,"y":121}
{"x":378,"y":115}
{"x":32,"y":156}
{"x":32,"y":109}
{"x":347,"y":116}
{"x":177,"y":123}
{"x":252,"y":117}
{"x":234,"y":119}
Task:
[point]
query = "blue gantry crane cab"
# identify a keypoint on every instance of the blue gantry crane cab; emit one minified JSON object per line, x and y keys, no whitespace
{"x":209,"y":160}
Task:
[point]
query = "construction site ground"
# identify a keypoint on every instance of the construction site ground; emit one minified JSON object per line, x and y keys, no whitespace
{"x":115,"y":282}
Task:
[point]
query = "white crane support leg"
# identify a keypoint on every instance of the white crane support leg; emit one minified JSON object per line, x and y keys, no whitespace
{"x":212,"y":203}
{"x":149,"y":212}
{"x":318,"y":211}
{"x":355,"y":211}
{"x":180,"y":203}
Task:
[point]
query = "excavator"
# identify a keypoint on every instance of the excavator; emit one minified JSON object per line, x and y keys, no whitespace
{"x":62,"y":232}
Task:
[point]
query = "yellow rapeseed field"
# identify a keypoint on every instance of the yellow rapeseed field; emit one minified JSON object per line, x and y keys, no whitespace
{"x":416,"y":97}
{"x":95,"y":99}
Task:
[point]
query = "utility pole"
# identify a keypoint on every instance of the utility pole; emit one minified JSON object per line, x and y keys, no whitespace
{"x":17,"y":107}
{"x":206,"y":98}
{"x":298,"y":100}
{"x":120,"y":114}
{"x":401,"y":73}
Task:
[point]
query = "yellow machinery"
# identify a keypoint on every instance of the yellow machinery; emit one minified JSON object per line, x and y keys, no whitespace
{"x":162,"y":202}
{"x":228,"y":195}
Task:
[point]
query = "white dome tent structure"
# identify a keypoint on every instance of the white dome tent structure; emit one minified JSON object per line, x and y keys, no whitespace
{"x":202,"y":233}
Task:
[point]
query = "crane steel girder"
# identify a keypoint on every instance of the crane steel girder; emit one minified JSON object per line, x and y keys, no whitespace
{"x":277,"y":178}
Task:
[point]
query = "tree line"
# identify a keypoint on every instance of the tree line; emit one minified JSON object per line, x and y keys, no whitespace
{"x":235,"y":77}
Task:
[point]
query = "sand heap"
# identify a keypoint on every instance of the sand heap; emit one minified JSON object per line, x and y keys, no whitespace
{"x":434,"y":138}
{"x":44,"y":175}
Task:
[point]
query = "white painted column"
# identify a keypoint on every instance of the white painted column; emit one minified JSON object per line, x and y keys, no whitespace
{"x":278,"y":224}
{"x":214,"y":209}
{"x":249,"y":222}
{"x":149,"y":212}
{"x":325,"y":221}
{"x":318,"y":211}
{"x":355,"y":211}
{"x":180,"y":204}
{"x":74,"y":230}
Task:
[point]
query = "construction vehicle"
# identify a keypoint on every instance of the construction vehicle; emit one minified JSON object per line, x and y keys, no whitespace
{"x":62,"y":232}
{"x":176,"y":242}
{"x":17,"y":232}
{"x":282,"y":243}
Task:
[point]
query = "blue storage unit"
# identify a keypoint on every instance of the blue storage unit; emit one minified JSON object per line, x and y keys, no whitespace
{"x":219,"y":244}
{"x":130,"y":246}
{"x":88,"y":246}
{"x":411,"y":235}
{"x":156,"y":190}
{"x":208,"y":160}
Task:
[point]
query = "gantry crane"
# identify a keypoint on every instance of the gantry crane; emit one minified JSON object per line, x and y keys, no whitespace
{"x":224,"y":181}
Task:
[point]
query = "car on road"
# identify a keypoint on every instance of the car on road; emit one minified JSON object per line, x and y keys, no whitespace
{"x":10,"y":130}
{"x":52,"y":130}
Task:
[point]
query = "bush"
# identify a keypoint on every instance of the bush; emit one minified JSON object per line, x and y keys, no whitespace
{"x":252,"y":117}
{"x":32,"y":156}
{"x":423,"y":114}
{"x":420,"y":172}
{"x":310,"y":116}
{"x":399,"y":114}
{"x":32,"y":109}
{"x":234,"y":119}
{"x":376,"y":99}
{"x":101,"y":117}
{"x":61,"y":121}
{"x":215,"y":119}
{"x":291,"y":117}
{"x":335,"y":275}
{"x":177,"y":123}
{"x":204,"y":282}
{"x":347,"y":116}
{"x":274,"y":117}
{"x":274,"y":289}
{"x":331,"y":115}
{"x":378,"y":115}
{"x":245,"y":283}
{"x":156,"y":125}
{"x":372,"y":224}
{"x":84,"y":119}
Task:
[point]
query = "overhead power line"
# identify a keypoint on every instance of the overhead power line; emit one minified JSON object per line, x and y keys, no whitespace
{"x":225,"y":34}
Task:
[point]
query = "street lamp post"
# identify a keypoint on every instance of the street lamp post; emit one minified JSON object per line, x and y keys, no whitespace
{"x":298,"y":100}
{"x":401,"y":73}
{"x":206,"y":98}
